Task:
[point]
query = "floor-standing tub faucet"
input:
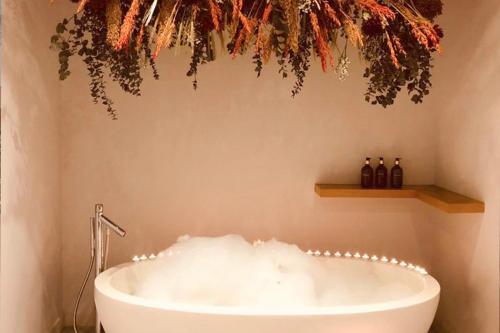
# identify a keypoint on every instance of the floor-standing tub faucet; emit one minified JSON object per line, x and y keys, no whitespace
{"x":100,"y":227}
{"x":101,"y":239}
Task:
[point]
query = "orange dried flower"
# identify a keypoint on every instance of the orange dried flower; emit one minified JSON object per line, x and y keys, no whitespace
{"x":248,"y":36}
{"x":246,"y":23}
{"x":260,"y":34}
{"x":419,"y":35}
{"x":330,"y":12}
{"x":239,"y":41}
{"x":392,"y":52}
{"x":378,"y":10}
{"x":431,"y":34}
{"x":216,"y":14}
{"x":267,"y":12}
{"x":426,"y":36}
{"x":140,"y":38}
{"x":127,"y":26}
{"x":237,"y":4}
{"x":397,"y":45}
{"x":321,"y":45}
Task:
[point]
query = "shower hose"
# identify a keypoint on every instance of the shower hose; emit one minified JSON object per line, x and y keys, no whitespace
{"x":89,"y":271}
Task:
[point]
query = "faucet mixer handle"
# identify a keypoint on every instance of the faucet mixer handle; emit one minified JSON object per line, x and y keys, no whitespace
{"x":99,"y":208}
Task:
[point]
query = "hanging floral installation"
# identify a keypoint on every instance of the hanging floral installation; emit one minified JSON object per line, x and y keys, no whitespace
{"x":118,"y":38}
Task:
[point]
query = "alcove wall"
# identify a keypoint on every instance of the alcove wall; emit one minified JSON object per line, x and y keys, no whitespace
{"x":30,"y":251}
{"x":467,"y":107}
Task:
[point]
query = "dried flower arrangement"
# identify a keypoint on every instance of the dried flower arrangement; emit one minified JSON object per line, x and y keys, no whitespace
{"x":396,"y":39}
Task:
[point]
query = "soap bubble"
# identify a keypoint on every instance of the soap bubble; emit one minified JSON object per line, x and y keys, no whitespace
{"x":230,"y":271}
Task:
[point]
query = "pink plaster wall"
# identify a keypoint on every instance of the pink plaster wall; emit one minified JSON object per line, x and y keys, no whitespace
{"x":467,"y":104}
{"x":30,"y":261}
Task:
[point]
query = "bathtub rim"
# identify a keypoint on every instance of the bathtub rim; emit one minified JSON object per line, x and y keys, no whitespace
{"x":103,"y":286}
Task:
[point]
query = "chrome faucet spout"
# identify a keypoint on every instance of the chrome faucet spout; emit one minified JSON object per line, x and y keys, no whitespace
{"x":113,"y":226}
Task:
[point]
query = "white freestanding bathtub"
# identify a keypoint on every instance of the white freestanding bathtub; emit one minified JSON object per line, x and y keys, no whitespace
{"x":405,"y":303}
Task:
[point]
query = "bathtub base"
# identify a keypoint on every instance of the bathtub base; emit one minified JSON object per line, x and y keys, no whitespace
{"x":118,"y":317}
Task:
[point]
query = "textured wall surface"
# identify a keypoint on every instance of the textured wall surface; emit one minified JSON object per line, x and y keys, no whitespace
{"x":466,"y":252}
{"x":30,"y":284}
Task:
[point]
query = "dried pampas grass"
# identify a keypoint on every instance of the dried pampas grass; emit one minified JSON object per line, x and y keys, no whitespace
{"x":113,"y":21}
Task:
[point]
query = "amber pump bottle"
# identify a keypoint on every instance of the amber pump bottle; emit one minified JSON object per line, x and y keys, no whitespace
{"x":396,"y":175}
{"x":367,"y":174}
{"x":381,"y":174}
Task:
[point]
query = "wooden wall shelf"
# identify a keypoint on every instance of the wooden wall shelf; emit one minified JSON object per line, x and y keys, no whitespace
{"x":435,"y":196}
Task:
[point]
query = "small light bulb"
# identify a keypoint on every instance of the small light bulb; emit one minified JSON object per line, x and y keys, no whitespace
{"x":384,"y":259}
{"x":403,"y":264}
{"x":338,"y":254}
{"x":366,"y":256}
{"x":160,"y":255}
{"x":348,"y":254}
{"x":309,"y":252}
{"x":152,"y":256}
{"x":394,"y":261}
{"x":258,"y":242}
{"x":357,"y":255}
{"x":410,"y":266}
{"x":135,"y":259}
{"x":317,"y":253}
{"x":327,"y":253}
{"x":143,"y":257}
{"x":374,"y":258}
{"x":423,"y":271}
